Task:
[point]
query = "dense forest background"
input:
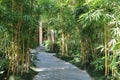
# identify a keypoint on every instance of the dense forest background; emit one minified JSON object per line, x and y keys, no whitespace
{"x":83,"y":32}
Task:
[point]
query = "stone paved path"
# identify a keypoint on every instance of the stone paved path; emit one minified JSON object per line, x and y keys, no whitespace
{"x":52,"y":68}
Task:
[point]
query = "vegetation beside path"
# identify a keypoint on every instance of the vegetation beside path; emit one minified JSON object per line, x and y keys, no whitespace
{"x":85,"y":31}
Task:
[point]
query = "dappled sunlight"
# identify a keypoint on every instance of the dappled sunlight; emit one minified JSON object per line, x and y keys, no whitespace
{"x":46,"y":69}
{"x":38,"y":69}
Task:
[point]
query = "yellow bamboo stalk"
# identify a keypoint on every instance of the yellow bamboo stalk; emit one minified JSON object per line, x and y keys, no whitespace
{"x":27,"y":51}
{"x":105,"y":51}
{"x":17,"y":59}
{"x":23,"y":53}
{"x":28,"y":41}
{"x":14,"y":61}
{"x":108,"y":39}
{"x":92,"y":49}
{"x":82,"y":52}
{"x":63,"y":44}
{"x":11,"y":60}
{"x":66,"y":44}
{"x":66,"y":49}
{"x":13,"y":53}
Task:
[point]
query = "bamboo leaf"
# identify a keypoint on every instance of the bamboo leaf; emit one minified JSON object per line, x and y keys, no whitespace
{"x":116,"y":46}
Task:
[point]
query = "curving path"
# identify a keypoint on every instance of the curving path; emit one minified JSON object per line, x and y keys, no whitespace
{"x":52,"y":68}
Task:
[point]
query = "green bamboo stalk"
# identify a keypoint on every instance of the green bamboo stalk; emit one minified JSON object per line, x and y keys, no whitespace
{"x":105,"y":51}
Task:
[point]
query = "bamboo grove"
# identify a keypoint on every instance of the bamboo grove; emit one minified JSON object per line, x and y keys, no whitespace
{"x":18,"y":22}
{"x":86,"y":30}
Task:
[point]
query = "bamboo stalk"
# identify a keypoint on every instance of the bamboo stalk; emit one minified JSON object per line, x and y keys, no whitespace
{"x":14,"y":61}
{"x":11,"y":60}
{"x":66,"y":44}
{"x":82,"y":52}
{"x":105,"y":51}
{"x":52,"y":38}
{"x":63,"y":44}
{"x":92,"y":49}
{"x":66,"y":49}
{"x":23,"y":53}
{"x":27,"y":51}
{"x":40,"y":33}
{"x":17,"y":59}
{"x":108,"y":39}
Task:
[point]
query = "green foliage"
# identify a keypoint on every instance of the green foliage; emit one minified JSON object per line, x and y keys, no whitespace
{"x":79,"y":24}
{"x":99,"y":64}
{"x":3,"y":65}
{"x":47,"y":45}
{"x":115,"y":60}
{"x":116,"y":46}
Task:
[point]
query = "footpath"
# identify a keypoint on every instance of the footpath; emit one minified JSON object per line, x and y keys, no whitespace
{"x":52,"y":68}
